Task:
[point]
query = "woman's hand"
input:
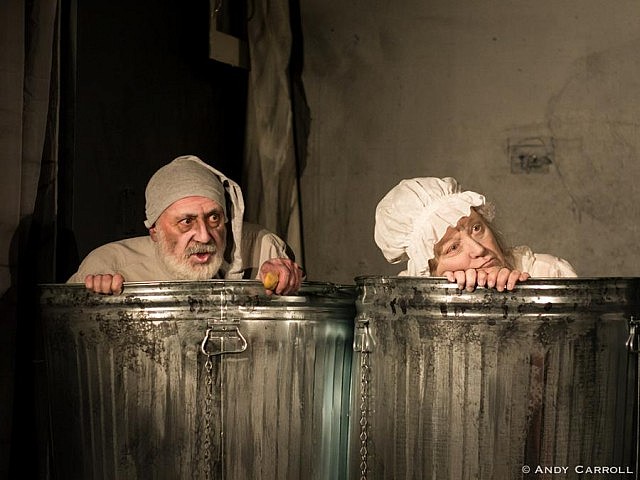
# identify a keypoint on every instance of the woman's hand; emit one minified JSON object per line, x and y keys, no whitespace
{"x":500,"y":278}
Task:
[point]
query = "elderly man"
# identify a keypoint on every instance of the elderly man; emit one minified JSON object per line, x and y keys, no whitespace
{"x":196,"y":232}
{"x":442,"y":230}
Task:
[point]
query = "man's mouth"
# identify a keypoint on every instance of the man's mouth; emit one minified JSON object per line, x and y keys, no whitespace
{"x":200,"y":254}
{"x":201,"y":257}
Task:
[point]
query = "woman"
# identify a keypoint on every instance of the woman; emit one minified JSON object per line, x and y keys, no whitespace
{"x":441,"y":230}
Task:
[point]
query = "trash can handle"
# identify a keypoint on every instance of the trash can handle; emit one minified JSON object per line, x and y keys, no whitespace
{"x":221,"y":339}
{"x":633,"y":344}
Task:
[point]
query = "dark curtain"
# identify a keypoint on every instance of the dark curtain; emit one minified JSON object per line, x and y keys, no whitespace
{"x":29,"y":50}
{"x":277,"y":120}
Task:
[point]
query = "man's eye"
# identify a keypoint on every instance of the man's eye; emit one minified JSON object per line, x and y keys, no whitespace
{"x":214,"y":218}
{"x":186,"y":221}
{"x":477,"y":227}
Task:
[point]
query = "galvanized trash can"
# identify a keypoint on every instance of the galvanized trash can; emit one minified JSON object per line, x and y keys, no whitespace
{"x":540,"y":382}
{"x":198,"y":380}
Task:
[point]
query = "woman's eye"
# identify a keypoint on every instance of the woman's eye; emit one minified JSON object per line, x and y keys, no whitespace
{"x":186,"y":221}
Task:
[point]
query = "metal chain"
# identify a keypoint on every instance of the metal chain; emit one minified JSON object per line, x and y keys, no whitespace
{"x":638,"y":417}
{"x":633,"y":346}
{"x":365,"y":376}
{"x":208,"y":365}
{"x":209,"y":378}
{"x":363,"y":343}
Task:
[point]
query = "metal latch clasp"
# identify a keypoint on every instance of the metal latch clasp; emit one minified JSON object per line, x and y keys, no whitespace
{"x":633,"y":342}
{"x":221,"y":339}
{"x":363,"y":340}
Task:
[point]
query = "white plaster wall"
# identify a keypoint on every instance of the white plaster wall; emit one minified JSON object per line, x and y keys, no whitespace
{"x":438,"y":87}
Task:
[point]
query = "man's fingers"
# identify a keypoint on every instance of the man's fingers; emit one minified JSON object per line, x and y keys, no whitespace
{"x":106,"y":284}
{"x":281,"y":276}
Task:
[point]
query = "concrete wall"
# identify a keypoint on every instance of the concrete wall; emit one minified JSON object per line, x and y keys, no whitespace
{"x":441,"y":88}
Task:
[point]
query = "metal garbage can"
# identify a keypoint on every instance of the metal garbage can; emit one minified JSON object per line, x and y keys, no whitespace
{"x":198,"y":380}
{"x":539,"y":382}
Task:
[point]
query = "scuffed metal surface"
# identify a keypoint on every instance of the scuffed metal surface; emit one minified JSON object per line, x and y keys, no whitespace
{"x":478,"y":385}
{"x":127,"y":381}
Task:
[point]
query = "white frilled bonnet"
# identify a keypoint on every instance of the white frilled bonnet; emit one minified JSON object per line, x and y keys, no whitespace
{"x":415,"y":214}
{"x":188,"y":176}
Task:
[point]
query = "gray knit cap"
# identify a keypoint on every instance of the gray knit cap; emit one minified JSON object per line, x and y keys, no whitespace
{"x":188,"y":176}
{"x":183,"y":177}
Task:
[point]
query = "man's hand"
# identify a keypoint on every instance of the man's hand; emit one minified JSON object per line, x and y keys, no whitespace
{"x":104,"y":283}
{"x":281,"y":276}
{"x":502,"y":278}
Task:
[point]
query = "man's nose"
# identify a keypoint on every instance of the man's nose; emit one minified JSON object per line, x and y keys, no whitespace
{"x":201,"y":232}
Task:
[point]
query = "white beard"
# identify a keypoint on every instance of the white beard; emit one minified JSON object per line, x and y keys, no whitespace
{"x":180,"y":267}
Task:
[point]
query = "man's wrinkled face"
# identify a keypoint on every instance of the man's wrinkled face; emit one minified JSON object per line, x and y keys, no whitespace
{"x":191,"y":238}
{"x":471,"y":244}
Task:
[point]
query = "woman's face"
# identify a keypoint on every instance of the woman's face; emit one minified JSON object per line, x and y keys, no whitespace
{"x":471,"y":244}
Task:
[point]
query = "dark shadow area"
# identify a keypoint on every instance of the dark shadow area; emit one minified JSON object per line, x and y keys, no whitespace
{"x":29,"y":429}
{"x":137,"y":89}
{"x":299,"y":106}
